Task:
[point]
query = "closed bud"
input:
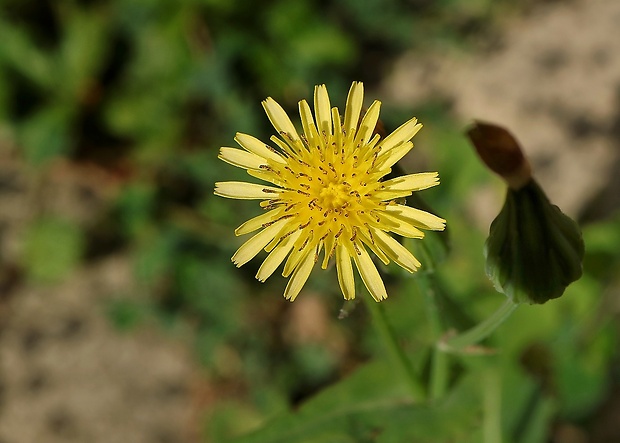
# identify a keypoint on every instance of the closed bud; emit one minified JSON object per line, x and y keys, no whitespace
{"x":501,"y":153}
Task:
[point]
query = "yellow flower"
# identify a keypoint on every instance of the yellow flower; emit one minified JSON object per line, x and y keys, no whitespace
{"x":328,"y":194}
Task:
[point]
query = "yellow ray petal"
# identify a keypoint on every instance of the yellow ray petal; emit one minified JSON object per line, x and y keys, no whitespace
{"x":368,"y":124}
{"x":373,"y":246}
{"x":241,"y":158}
{"x":416,"y":217}
{"x":253,"y":246}
{"x":396,"y":251}
{"x":257,"y":147}
{"x":280,"y":120}
{"x":300,"y":276}
{"x":398,"y":226}
{"x":402,"y":134}
{"x":268,"y":176}
{"x":355,"y":100}
{"x":412,"y":182}
{"x":344,"y":269}
{"x":322,"y":110}
{"x":257,"y":222}
{"x":245,"y":191}
{"x":395,"y":154}
{"x":300,"y":248}
{"x":307,"y":123}
{"x":329,"y":249}
{"x":337,"y":127}
{"x":370,"y":276}
{"x":276,"y":257}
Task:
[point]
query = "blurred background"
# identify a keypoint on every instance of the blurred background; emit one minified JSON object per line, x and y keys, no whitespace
{"x":121,"y":315}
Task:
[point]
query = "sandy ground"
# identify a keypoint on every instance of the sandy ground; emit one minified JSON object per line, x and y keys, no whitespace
{"x":553,"y":79}
{"x":67,"y":375}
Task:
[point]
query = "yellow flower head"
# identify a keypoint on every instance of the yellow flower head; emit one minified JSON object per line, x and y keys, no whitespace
{"x":328,"y":194}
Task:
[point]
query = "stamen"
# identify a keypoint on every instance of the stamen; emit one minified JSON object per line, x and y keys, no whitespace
{"x":278,"y":219}
{"x":372,"y":238}
{"x":305,"y":225}
{"x":354,"y":229}
{"x":305,"y":242}
{"x":339,"y":233}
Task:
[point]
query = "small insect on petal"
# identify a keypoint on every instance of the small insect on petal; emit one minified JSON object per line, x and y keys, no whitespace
{"x":245,"y":191}
{"x":241,"y":159}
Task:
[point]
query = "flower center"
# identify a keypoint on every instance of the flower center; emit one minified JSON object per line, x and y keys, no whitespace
{"x":334,"y":195}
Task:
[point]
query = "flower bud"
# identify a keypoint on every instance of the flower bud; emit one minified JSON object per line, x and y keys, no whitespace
{"x":501,"y":153}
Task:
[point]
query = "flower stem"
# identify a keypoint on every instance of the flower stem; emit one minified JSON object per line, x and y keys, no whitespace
{"x":389,"y":339}
{"x":439,"y":359}
{"x":492,"y":395}
{"x":481,"y":330}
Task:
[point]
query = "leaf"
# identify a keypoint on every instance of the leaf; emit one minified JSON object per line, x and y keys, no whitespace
{"x":372,"y":405}
{"x":533,"y":251}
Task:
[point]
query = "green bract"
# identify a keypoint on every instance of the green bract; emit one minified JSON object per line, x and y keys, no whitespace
{"x":534,"y":251}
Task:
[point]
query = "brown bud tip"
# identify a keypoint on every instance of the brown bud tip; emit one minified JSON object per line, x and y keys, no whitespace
{"x":501,"y":152}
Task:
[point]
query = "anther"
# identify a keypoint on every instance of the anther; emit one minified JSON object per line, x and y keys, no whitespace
{"x":306,"y":224}
{"x":339,"y":233}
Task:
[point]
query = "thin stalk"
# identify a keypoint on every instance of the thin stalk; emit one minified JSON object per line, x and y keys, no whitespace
{"x":492,"y":394}
{"x":481,"y":330}
{"x":389,"y":339}
{"x":439,"y":360}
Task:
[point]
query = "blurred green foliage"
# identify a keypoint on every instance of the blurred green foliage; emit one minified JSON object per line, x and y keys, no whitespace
{"x":149,"y":90}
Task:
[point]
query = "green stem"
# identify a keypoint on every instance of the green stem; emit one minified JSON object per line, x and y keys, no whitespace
{"x":439,"y":373}
{"x":492,"y":394}
{"x":439,"y":360}
{"x":389,"y":339}
{"x":481,"y":330}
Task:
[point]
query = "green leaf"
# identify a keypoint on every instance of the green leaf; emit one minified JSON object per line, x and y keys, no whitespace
{"x":19,"y":52}
{"x":533,"y":251}
{"x":372,"y":405}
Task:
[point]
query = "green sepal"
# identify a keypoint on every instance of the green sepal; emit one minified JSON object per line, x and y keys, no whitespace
{"x":534,"y":251}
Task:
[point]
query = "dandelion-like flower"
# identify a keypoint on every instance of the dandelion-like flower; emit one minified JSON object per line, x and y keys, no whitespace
{"x":328,"y":194}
